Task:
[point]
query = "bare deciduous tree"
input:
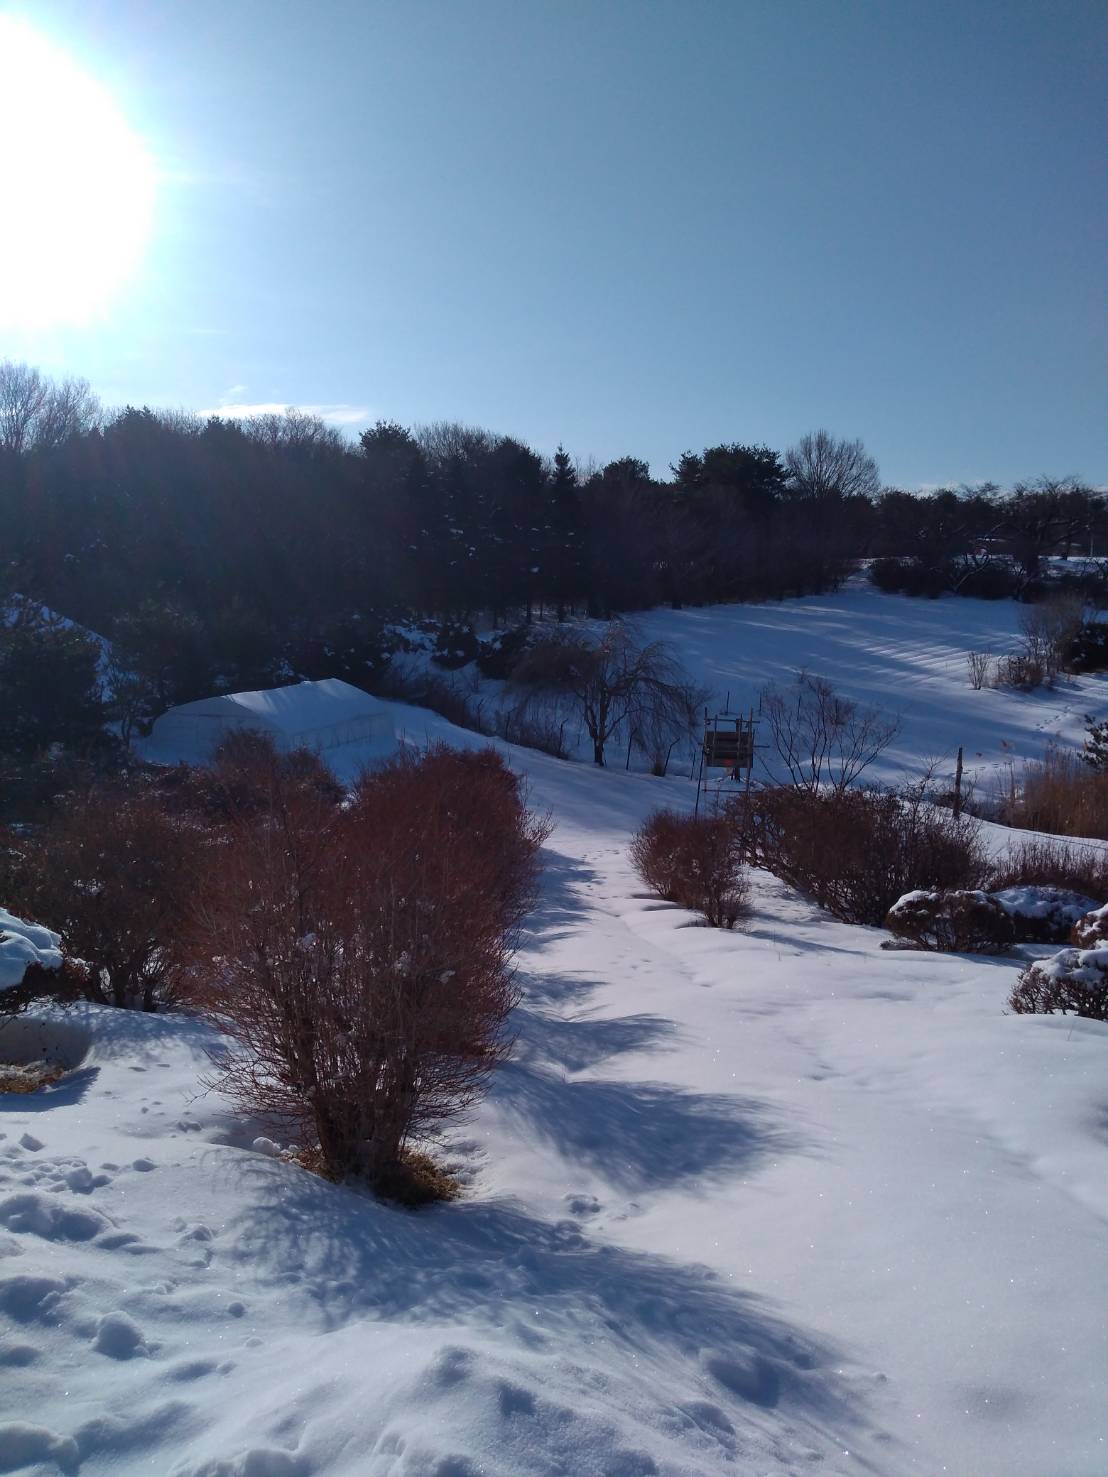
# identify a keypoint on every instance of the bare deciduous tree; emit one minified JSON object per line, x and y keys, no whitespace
{"x":37,"y":412}
{"x":822,"y":739}
{"x":293,"y":429}
{"x":616,"y":681}
{"x":821,"y":466}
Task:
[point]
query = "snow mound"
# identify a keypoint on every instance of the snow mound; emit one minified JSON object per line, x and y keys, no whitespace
{"x":1088,"y":967}
{"x":973,"y":921}
{"x":23,"y":944}
{"x":1043,"y":914}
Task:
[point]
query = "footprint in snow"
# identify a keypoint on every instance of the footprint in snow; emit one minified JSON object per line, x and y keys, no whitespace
{"x":144,"y":1166}
{"x":30,"y":1213}
{"x":582,"y":1204}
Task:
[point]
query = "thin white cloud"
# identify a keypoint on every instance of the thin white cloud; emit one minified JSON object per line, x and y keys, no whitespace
{"x":335,"y":415}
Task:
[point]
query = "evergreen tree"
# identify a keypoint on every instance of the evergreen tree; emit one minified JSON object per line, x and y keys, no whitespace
{"x":565,"y":567}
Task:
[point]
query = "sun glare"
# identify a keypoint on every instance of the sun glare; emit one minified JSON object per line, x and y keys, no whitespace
{"x":78,"y":187}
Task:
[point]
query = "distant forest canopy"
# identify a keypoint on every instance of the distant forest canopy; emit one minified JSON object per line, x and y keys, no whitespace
{"x":240,"y":548}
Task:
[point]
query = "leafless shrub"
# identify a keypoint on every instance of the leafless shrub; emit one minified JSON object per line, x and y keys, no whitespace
{"x":1049,"y":629}
{"x":1041,"y":861}
{"x":1074,"y":981}
{"x":980,"y":663}
{"x":1023,"y":670}
{"x":822,"y":739}
{"x":695,"y":861}
{"x":533,"y":729}
{"x":855,"y":852}
{"x":111,"y":871}
{"x":241,"y":779}
{"x":361,"y":956}
{"x":952,"y":922}
{"x":446,"y":696}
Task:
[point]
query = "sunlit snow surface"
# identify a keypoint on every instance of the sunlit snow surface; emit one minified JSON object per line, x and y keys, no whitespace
{"x":767,"y":1202}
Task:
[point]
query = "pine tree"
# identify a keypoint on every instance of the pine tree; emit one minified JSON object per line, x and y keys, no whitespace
{"x":565,"y":563}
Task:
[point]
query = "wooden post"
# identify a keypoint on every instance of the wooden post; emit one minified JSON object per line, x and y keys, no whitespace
{"x":958,"y":786}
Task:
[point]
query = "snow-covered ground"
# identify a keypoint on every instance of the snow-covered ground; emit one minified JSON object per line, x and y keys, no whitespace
{"x":899,"y":654}
{"x":766,"y":1202}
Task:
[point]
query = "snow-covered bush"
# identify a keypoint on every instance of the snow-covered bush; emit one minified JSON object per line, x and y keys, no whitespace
{"x":361,"y":956}
{"x":855,"y":852}
{"x":33,"y":966}
{"x":456,"y":645}
{"x":951,"y":922}
{"x":1074,"y":980}
{"x":1043,"y":861}
{"x":1091,"y":931}
{"x":1043,"y":915}
{"x":23,"y":944}
{"x":695,"y":861}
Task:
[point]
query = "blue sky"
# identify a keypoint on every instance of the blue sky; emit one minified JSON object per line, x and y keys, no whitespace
{"x":632,"y":226}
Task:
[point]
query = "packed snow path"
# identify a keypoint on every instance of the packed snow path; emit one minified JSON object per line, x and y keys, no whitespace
{"x":763,"y":1202}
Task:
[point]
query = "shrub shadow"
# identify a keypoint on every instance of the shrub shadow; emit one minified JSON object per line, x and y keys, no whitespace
{"x":534,"y":1286}
{"x":579,"y":1042}
{"x":639,"y":1135}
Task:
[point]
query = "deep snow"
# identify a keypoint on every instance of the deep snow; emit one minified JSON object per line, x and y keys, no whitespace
{"x":765,"y":1202}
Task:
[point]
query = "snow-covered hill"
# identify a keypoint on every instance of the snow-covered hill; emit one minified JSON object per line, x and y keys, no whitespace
{"x":902,"y":655}
{"x":764,"y":1203}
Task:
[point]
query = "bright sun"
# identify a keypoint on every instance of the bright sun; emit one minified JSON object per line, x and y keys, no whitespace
{"x":78,"y":187}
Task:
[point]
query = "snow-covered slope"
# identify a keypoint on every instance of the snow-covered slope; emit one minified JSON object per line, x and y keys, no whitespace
{"x":902,"y":655}
{"x":763,"y":1203}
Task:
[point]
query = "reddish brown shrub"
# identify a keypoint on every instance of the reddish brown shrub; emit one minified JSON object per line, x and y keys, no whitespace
{"x":696,"y":861}
{"x":855,"y":852}
{"x":958,"y":922}
{"x":1040,"y":861}
{"x":654,"y":852}
{"x":1073,"y":981}
{"x":241,"y":778}
{"x":112,"y":872}
{"x":361,"y":956}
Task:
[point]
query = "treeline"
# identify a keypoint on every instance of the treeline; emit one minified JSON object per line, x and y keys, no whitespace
{"x":222,"y":553}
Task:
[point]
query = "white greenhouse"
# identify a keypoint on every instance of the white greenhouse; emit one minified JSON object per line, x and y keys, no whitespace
{"x":314,"y":715}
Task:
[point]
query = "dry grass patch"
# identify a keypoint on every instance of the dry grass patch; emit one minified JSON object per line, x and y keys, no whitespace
{"x":29,"y":1078}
